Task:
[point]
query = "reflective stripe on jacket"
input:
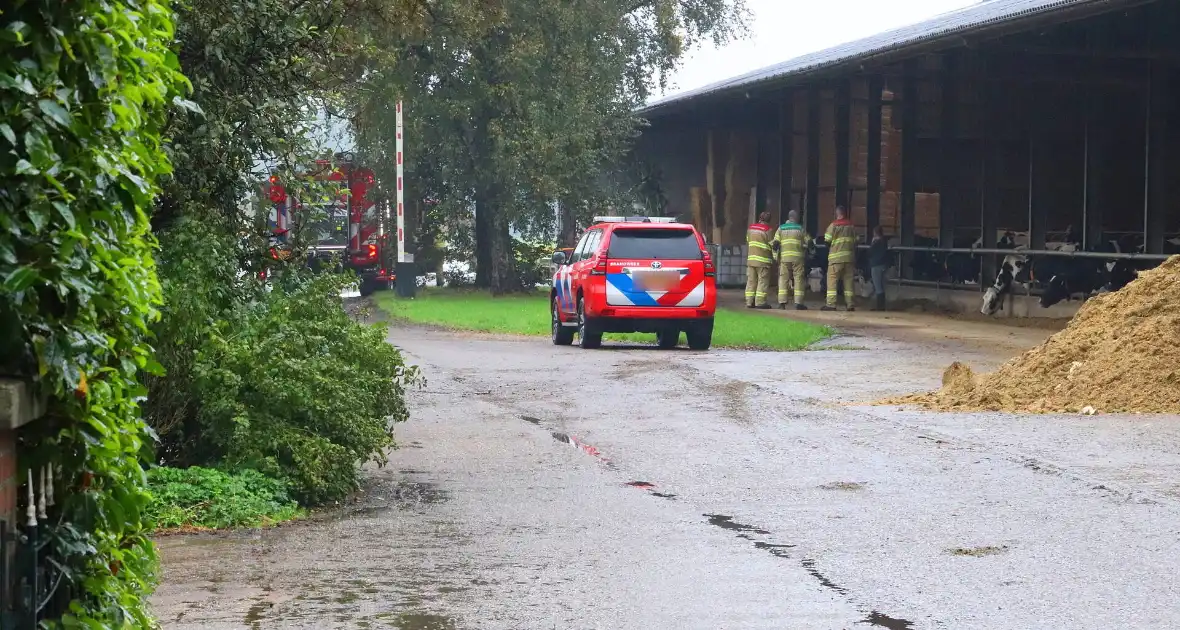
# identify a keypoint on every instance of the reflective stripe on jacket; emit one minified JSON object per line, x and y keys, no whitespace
{"x":758,"y":240}
{"x":841,"y":239}
{"x":792,"y":242}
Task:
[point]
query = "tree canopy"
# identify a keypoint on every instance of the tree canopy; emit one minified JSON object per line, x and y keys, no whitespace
{"x":517,"y":104}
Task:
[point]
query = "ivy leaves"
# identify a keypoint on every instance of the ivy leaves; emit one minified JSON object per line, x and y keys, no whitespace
{"x":83,"y":91}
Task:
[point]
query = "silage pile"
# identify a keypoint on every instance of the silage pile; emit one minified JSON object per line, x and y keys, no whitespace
{"x":1119,"y":354}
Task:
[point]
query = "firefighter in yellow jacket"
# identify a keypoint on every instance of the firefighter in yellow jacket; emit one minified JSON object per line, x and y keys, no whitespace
{"x":841,"y":239}
{"x":790,"y":240}
{"x":759,"y":258}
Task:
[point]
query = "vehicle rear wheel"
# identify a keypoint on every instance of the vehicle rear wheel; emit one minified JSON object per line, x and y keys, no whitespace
{"x":700,"y":336}
{"x":367,"y":287}
{"x":562,"y":335}
{"x":668,"y":338}
{"x":588,"y":330}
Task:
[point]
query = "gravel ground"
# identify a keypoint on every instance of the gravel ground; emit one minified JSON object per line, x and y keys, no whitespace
{"x":543,"y":487}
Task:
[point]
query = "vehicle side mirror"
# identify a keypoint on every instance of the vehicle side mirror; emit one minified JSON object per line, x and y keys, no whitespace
{"x":559,"y":258}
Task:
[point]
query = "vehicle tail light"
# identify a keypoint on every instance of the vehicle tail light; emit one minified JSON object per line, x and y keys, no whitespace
{"x":599,"y":265}
{"x":372,"y":250}
{"x":710,"y":270}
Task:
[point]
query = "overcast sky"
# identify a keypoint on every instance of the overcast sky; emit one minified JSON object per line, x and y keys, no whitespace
{"x":782,"y":29}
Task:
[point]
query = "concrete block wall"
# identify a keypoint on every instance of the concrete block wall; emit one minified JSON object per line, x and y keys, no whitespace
{"x":958,"y":301}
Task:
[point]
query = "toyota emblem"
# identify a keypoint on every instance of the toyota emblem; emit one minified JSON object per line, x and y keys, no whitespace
{"x":655,"y":264}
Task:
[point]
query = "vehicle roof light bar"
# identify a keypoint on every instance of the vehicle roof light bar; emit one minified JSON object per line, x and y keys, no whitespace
{"x":635,"y":219}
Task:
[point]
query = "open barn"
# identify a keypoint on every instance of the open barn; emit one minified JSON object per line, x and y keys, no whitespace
{"x":1017,"y":135}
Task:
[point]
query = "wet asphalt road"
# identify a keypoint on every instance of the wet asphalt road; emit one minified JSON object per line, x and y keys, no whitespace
{"x":542,"y":487}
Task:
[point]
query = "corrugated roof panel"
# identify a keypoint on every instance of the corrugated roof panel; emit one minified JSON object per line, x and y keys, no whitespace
{"x":989,"y":12}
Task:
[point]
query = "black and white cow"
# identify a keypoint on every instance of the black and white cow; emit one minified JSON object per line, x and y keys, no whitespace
{"x":963,"y":268}
{"x":1063,"y":278}
{"x":1021,"y":269}
{"x":926,"y":266}
{"x":1014,"y":269}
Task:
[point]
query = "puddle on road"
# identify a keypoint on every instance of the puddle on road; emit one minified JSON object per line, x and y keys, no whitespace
{"x":783,"y":551}
{"x":256,"y":613}
{"x":885,"y":621}
{"x":402,"y":495}
{"x":418,"y":621}
{"x":727,"y":522}
{"x":809,"y":565}
{"x":848,"y":486}
{"x":978,"y":552}
{"x":565,"y":438}
{"x":775,"y":550}
{"x":651,"y":489}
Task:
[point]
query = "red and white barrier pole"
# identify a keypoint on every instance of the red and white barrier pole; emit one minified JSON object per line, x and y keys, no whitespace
{"x":401,"y":194}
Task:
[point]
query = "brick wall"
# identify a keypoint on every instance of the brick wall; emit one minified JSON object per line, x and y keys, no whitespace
{"x":9,"y":483}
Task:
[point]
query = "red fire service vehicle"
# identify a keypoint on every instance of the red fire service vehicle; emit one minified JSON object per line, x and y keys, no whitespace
{"x":351,"y":227}
{"x":635,"y":274}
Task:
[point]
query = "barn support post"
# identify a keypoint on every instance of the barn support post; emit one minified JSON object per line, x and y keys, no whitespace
{"x":786,"y":153}
{"x":762,"y":170}
{"x":991,"y":163}
{"x":843,"y":120}
{"x":909,"y":146}
{"x":873,"y":192}
{"x":1158,"y":165}
{"x":812,"y":212}
{"x":1096,"y":156}
{"x":948,"y":162}
{"x":1089,"y":231}
{"x":718,"y":141}
{"x":1039,"y":151}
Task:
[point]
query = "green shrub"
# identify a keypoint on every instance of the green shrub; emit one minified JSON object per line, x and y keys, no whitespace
{"x":209,"y":498}
{"x":532,"y":261}
{"x":198,"y":265}
{"x":279,"y":381}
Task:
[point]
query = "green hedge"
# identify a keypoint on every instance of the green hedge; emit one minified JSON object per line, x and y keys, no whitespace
{"x":84,"y":88}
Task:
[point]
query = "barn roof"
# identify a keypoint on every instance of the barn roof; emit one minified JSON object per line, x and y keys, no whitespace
{"x":944,"y":28}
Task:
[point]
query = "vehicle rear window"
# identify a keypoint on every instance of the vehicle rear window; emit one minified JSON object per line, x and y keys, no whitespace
{"x":657,"y":244}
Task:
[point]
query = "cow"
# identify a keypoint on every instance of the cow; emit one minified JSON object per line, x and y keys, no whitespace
{"x":964,"y":268}
{"x":1006,"y":239}
{"x":1063,"y":278}
{"x":1014,"y":269}
{"x":927,"y":266}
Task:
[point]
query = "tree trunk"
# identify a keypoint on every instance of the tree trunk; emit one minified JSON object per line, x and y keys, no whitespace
{"x":484,"y":212}
{"x":501,"y":264}
{"x":568,"y":236}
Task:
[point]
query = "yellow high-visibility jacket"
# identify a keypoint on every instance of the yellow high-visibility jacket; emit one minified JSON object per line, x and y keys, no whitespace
{"x":758,"y":239}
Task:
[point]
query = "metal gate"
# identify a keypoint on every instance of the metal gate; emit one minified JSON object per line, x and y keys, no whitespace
{"x":33,"y":583}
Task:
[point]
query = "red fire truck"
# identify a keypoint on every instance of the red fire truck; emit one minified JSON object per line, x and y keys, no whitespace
{"x":351,"y":230}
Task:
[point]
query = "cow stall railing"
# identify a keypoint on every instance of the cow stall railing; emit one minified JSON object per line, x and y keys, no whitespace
{"x":898,"y":254}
